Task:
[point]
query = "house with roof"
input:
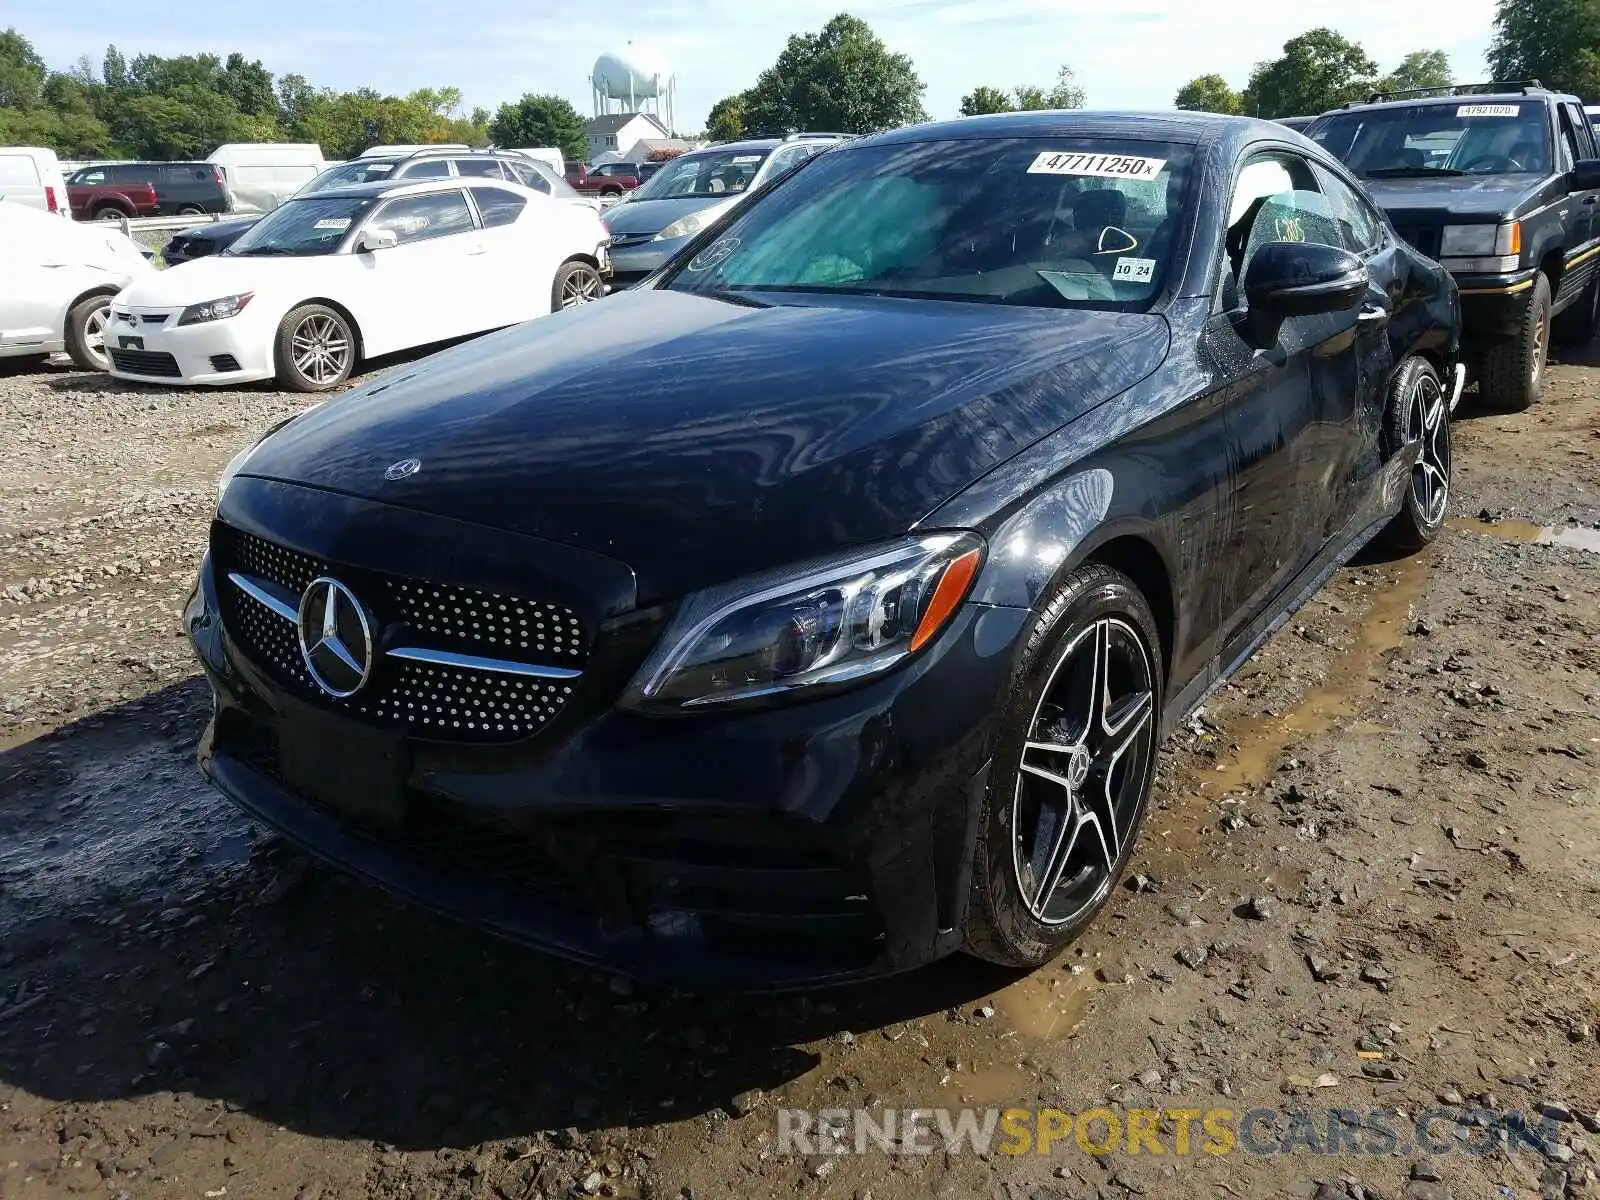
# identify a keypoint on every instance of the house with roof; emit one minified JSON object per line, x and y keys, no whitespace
{"x":609,"y":135}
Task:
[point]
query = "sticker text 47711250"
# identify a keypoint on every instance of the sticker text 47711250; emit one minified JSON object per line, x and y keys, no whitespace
{"x":1099,"y":166}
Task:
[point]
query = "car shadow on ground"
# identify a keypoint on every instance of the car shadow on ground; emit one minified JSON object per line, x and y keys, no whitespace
{"x":315,"y":1002}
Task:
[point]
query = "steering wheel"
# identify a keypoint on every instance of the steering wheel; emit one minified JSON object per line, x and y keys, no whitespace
{"x":1489,"y":163}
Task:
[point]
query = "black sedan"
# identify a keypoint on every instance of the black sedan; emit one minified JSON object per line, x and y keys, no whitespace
{"x":818,"y":609}
{"x":199,"y":241}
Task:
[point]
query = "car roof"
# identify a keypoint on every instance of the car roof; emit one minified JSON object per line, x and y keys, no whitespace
{"x":1177,"y":126}
{"x":1458,"y":96}
{"x":383,"y":188}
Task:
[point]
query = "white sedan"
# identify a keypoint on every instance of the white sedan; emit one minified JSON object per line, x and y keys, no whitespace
{"x":56,"y":282}
{"x":330,"y":278}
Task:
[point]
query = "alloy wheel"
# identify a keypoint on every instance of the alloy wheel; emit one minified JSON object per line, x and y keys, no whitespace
{"x":1426,"y":420}
{"x":1084,"y":772}
{"x":94,"y":335}
{"x":582,"y":286}
{"x":1541,"y":351}
{"x":320,"y":347}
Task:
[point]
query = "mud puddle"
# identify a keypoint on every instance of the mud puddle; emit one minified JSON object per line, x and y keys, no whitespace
{"x":1578,"y":537}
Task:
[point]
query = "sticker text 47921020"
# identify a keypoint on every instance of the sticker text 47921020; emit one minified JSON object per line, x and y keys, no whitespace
{"x":1099,"y":166}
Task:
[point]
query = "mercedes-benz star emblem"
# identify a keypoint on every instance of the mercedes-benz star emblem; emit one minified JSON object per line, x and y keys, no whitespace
{"x":335,"y":638}
{"x":404,"y":469}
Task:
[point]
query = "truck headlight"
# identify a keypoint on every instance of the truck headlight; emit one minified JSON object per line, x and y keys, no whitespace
{"x":1481,"y":241}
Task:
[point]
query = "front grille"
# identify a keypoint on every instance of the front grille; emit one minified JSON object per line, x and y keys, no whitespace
{"x":446,"y":702}
{"x":752,"y":887}
{"x":146,"y":362}
{"x":619,"y":240}
{"x":224,"y":362}
{"x":1426,"y":239}
{"x":154,"y":318}
{"x":196,"y":247}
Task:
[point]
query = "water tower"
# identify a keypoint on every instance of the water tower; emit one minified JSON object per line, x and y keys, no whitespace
{"x":634,"y":79}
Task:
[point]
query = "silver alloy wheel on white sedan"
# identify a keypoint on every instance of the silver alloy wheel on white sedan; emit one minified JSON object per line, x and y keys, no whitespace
{"x":1085,"y":769}
{"x":94,"y":335}
{"x":582,"y":285}
{"x":320,"y":347}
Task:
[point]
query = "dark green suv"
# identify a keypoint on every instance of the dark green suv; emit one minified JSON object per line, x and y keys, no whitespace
{"x":1500,"y":183}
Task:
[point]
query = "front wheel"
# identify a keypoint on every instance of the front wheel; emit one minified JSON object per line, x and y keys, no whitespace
{"x":86,"y":333}
{"x":1513,"y":370}
{"x":1418,"y":417}
{"x":316,"y":349}
{"x":1073,"y":767}
{"x":576,"y":283}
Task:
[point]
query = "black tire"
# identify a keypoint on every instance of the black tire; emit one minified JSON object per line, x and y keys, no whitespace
{"x":1577,"y":325}
{"x":1418,"y":417}
{"x":86,"y":324}
{"x":300,"y":334}
{"x":611,"y":191}
{"x":1003,"y":925}
{"x":576,"y":283}
{"x":191,"y":210}
{"x":1513,"y":370}
{"x":109,"y":212}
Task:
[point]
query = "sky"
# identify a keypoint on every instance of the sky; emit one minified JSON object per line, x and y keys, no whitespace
{"x":1127,"y":53}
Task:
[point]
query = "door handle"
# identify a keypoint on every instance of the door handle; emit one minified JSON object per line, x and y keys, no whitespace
{"x":1373,"y":314}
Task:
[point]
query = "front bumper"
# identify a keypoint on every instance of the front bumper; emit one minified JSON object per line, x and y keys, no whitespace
{"x":631,"y":263}
{"x":148,"y":346}
{"x":1492,"y":305}
{"x":813,"y":843}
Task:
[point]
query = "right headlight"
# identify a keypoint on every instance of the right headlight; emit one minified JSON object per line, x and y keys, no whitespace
{"x":237,"y":462}
{"x":1481,"y":241}
{"x":821,"y":623}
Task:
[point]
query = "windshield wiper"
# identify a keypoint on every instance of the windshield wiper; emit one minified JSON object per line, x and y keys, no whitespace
{"x":1397,"y":172}
{"x":250,"y":251}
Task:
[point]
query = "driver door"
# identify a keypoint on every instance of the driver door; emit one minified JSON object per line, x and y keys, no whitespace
{"x":428,"y":287}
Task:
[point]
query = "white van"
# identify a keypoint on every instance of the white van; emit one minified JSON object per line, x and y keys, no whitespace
{"x":261,"y":175}
{"x":393,"y":151}
{"x":32,"y":176}
{"x":549,"y":155}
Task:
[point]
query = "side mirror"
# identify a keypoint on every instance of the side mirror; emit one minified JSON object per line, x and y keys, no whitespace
{"x":1586,"y":175}
{"x":376,"y":239}
{"x":1299,"y":279}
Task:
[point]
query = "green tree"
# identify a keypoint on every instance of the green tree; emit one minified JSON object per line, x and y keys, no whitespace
{"x":726,"y":120}
{"x":22,"y":72}
{"x":1554,"y":41}
{"x":981,"y":100}
{"x":249,"y":86}
{"x":1208,"y":93}
{"x":1065,"y":93}
{"x":842,"y":78}
{"x":1419,"y":69}
{"x":1319,"y":70}
{"x":541,"y":121}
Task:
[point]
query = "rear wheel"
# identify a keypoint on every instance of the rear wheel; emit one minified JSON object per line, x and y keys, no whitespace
{"x":109,"y":213}
{"x":1513,"y":370}
{"x":86,"y":332}
{"x":576,"y":283}
{"x":190,"y":210}
{"x":1073,"y":767}
{"x":1576,"y":326}
{"x":316,"y":349}
{"x":1419,"y":417}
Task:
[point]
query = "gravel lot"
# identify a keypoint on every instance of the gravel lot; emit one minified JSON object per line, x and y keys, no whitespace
{"x":1371,"y":879}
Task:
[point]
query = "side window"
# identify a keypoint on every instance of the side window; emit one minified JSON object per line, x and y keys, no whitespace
{"x":1582,"y":133}
{"x":478,"y":168}
{"x":417,"y":218}
{"x":1566,"y":143}
{"x":428,"y":168}
{"x":498,"y":206}
{"x":784,"y":159}
{"x":530,"y":178}
{"x":90,"y":177}
{"x":1361,"y":226}
{"x":1276,"y":199}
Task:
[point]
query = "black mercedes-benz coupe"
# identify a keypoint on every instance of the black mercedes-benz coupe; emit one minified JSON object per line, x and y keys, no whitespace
{"x":817,"y":608}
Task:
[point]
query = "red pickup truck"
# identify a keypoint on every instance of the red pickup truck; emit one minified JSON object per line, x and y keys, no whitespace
{"x":610,"y":180}
{"x":107,"y":201}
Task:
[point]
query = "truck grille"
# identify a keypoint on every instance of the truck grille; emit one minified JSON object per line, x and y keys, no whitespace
{"x":435,"y":699}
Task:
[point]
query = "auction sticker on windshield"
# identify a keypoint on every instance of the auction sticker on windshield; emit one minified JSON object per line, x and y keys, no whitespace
{"x":336,"y":223}
{"x":1135,"y":270}
{"x":1099,"y":166}
{"x":1487,"y":110}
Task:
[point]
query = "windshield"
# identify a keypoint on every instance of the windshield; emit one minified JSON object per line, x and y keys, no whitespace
{"x":711,"y":173}
{"x":1055,"y":222}
{"x":313,"y":225}
{"x":1461,"y":136}
{"x":363,"y":170}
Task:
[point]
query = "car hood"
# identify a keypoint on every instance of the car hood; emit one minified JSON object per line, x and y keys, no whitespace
{"x":216,"y":275}
{"x":218,"y":230}
{"x":652,"y":216}
{"x":698,"y":440}
{"x":1454,"y":196}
